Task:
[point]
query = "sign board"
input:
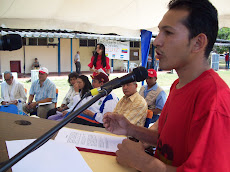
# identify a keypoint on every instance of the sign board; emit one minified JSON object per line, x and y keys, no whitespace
{"x":116,"y":49}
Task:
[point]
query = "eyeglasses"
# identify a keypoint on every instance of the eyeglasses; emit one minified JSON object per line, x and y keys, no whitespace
{"x":8,"y":79}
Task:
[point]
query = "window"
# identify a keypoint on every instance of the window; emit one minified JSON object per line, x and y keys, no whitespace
{"x":42,"y":41}
{"x":32,"y":41}
{"x":24,"y":41}
{"x":92,"y":43}
{"x":131,"y":43}
{"x":83,"y":42}
{"x":134,"y":55}
{"x":88,"y":42}
{"x":134,"y":44}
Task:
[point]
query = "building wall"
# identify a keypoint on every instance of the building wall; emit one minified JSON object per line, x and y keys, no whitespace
{"x":7,"y":56}
{"x":48,"y":57}
{"x":65,"y":55}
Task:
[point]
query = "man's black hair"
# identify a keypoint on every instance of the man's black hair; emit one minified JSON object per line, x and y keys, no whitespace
{"x":202,"y":18}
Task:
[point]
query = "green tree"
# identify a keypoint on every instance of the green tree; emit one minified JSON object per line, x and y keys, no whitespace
{"x":223,"y":33}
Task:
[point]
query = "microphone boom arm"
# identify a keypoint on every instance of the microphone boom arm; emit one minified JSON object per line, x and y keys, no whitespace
{"x":45,"y":137}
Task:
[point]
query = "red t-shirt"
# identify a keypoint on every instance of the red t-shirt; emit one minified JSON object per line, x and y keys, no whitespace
{"x":194,"y":126}
{"x":99,"y":64}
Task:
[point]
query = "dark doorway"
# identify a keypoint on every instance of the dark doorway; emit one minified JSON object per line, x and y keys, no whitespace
{"x":15,"y":66}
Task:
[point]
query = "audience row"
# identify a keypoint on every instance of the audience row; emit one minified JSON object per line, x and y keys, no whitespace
{"x":42,"y":98}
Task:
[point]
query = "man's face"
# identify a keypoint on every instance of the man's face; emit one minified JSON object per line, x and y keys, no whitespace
{"x":129,"y":89}
{"x":96,"y":83}
{"x":8,"y":79}
{"x":173,"y":48}
{"x":151,"y":81}
{"x":42,"y":76}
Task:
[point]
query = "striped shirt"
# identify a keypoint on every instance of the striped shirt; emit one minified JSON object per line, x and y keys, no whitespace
{"x":48,"y":90}
{"x":134,"y":108}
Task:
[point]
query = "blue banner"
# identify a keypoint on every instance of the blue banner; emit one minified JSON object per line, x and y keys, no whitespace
{"x":145,"y":45}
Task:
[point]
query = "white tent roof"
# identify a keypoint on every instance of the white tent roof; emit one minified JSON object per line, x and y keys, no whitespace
{"x":123,"y":17}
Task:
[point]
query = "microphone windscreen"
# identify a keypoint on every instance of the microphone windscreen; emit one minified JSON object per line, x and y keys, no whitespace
{"x":11,"y":42}
{"x":94,"y":92}
{"x":140,"y":73}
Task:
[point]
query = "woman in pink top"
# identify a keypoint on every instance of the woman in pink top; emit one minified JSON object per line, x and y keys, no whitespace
{"x":99,"y":60}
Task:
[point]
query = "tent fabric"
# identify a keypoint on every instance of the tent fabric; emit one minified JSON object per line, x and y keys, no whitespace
{"x":102,"y":16}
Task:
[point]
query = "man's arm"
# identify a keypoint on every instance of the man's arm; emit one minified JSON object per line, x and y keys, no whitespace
{"x":118,"y":124}
{"x":31,"y":97}
{"x":44,"y":100}
{"x":160,"y":102}
{"x":132,"y":154}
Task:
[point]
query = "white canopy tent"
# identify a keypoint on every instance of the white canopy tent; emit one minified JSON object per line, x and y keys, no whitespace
{"x":123,"y":17}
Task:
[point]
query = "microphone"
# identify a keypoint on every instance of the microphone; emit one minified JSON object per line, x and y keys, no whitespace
{"x":10,"y":42}
{"x":138,"y":74}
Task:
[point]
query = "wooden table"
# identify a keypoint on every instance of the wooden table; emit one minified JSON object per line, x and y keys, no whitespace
{"x":11,"y":130}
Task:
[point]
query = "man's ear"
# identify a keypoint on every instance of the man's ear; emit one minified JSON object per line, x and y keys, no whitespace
{"x":199,"y":43}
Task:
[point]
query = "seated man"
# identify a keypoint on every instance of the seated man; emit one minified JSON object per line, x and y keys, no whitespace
{"x":35,"y":64}
{"x":133,"y":106}
{"x":12,"y":90}
{"x":44,"y":91}
{"x":153,"y":94}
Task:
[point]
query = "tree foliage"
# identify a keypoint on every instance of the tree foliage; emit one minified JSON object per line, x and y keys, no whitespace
{"x":223,"y":33}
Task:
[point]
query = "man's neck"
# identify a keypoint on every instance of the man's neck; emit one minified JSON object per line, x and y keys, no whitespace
{"x":41,"y":82}
{"x":129,"y":95}
{"x":150,"y":86}
{"x":190,"y":72}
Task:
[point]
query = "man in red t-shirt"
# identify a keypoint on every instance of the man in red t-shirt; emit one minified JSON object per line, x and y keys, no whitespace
{"x":194,"y":126}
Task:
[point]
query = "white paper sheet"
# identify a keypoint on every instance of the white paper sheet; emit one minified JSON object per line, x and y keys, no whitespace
{"x":46,"y":103}
{"x":52,"y":156}
{"x":89,"y":140}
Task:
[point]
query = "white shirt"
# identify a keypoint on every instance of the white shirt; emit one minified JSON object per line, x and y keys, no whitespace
{"x":77,"y":57}
{"x":98,"y":108}
{"x":12,"y":92}
{"x":68,"y":100}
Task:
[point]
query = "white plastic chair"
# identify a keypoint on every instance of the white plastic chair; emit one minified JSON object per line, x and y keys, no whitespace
{"x":132,"y":66}
{"x":125,"y":68}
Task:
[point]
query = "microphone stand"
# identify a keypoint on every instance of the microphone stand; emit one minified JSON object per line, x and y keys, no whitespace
{"x":45,"y":137}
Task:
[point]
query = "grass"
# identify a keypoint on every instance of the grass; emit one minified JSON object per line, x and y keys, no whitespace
{"x":165,"y":80}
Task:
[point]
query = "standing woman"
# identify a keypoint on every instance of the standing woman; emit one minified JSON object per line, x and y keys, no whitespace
{"x":99,"y":60}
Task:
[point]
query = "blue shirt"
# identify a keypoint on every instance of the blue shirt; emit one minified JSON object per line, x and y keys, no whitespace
{"x":48,"y":90}
{"x":161,"y":98}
